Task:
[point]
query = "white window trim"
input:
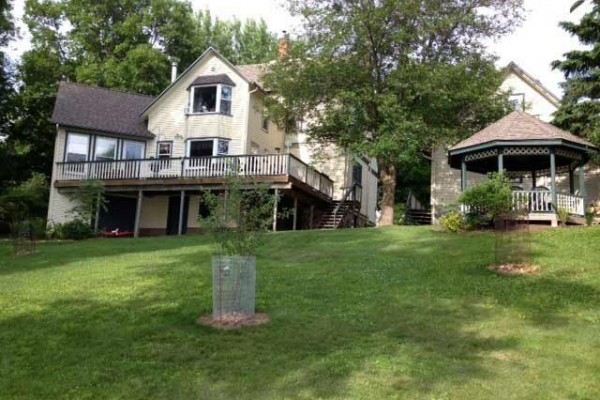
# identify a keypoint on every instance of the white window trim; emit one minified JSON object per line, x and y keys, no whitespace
{"x":218,"y":100}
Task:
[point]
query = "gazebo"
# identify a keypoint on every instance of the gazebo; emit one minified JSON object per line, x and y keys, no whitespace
{"x":528,"y":150}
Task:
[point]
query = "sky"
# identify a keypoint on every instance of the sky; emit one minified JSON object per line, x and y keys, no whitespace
{"x":533,"y":45}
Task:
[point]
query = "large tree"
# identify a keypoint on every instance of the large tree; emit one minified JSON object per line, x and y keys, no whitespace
{"x":387,"y":78}
{"x":580,"y":108}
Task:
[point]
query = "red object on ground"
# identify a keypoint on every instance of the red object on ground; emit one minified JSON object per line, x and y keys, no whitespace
{"x":116,"y":234}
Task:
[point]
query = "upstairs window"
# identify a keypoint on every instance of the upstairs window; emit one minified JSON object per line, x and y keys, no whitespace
{"x":207,"y":147}
{"x":211,"y":99}
{"x":105,"y":149}
{"x":518,"y":101}
{"x":164,"y":149}
{"x":77,"y":147}
{"x":357,"y":173}
{"x":133,"y":150}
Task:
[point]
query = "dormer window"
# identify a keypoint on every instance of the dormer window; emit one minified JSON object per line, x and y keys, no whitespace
{"x":211,"y":94}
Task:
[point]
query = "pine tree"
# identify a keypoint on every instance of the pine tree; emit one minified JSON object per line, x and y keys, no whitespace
{"x":580,"y":109}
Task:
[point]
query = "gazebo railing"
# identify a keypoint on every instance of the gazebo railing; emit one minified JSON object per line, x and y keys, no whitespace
{"x":537,"y":201}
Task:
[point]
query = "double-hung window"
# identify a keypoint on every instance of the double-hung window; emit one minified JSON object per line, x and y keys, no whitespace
{"x":105,"y":149}
{"x":211,"y":99}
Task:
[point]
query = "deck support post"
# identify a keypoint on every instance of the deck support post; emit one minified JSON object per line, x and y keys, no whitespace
{"x":97,"y":216}
{"x":181,"y":209}
{"x":553,"y":179}
{"x":275,"y":210}
{"x":312,"y":210}
{"x":571,"y":180}
{"x":500,"y":161}
{"x":463,"y":174}
{"x":582,"y":189}
{"x":295,"y":212}
{"x":138,"y":214}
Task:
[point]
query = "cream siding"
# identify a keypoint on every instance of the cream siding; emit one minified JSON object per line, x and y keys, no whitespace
{"x":154,"y":212}
{"x":269,"y":140}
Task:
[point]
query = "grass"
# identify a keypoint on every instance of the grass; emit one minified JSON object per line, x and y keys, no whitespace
{"x":402,"y":313}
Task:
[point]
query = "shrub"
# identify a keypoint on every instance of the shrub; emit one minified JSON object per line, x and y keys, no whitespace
{"x":491,"y":198}
{"x":474,"y":220}
{"x":399,"y":214}
{"x":589,"y":217}
{"x":74,"y":230}
{"x":453,"y":222}
{"x":563,"y":215}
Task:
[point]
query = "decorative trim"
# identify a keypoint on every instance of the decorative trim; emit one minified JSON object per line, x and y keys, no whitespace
{"x":480,"y":155}
{"x":526,"y":151}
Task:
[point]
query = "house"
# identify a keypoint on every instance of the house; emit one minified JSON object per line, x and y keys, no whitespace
{"x":548,"y":166}
{"x":156,"y":155}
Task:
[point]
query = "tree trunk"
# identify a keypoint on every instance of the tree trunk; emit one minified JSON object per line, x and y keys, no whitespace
{"x":387,"y":176}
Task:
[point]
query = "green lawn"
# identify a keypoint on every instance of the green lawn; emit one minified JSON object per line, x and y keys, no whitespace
{"x":405,"y":313}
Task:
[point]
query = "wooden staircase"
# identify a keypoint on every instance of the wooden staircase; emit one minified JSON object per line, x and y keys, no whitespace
{"x":332,"y":219}
{"x":418,"y":217}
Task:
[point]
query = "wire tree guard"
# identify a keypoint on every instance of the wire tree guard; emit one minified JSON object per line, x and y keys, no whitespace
{"x":513,"y":254}
{"x":23,"y":238}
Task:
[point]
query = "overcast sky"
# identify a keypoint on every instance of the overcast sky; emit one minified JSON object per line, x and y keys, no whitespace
{"x":533,"y":46}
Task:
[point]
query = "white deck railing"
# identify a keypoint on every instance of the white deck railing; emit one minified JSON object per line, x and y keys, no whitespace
{"x":541,"y":202}
{"x":201,"y":167}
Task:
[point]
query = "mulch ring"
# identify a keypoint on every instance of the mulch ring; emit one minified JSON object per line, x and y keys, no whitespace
{"x":515,"y":269}
{"x":234,"y":321}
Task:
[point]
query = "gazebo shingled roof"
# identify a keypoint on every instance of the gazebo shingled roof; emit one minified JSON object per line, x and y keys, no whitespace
{"x":519,"y":126}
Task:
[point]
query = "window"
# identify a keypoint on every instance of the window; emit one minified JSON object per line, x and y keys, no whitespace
{"x":77,"y":147}
{"x":164,"y":149}
{"x":201,"y":148}
{"x":357,"y":173}
{"x":133,"y":150}
{"x":211,"y":99}
{"x":517,"y":101}
{"x":225,"y":100}
{"x":105,"y":149}
{"x":207,"y":147}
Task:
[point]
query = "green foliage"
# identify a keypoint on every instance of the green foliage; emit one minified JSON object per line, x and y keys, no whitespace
{"x":453,"y":221}
{"x":89,"y":199}
{"x":399,"y":214}
{"x":386,"y":79}
{"x":579,"y":112}
{"x":26,"y":200}
{"x":589,"y":216}
{"x":492,"y":197}
{"x":239,"y":216}
{"x":563,"y":216}
{"x":76,"y":229}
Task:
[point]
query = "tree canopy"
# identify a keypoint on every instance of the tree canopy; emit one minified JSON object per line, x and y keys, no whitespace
{"x":388,"y":78}
{"x":580,"y":109}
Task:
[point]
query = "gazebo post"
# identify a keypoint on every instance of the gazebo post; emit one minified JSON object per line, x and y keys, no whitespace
{"x":553,"y":178}
{"x":463,"y":174}
{"x":533,"y":180}
{"x":500,"y":161}
{"x":582,"y":191}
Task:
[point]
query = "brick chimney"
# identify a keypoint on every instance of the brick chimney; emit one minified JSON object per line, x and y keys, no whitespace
{"x":283,"y":45}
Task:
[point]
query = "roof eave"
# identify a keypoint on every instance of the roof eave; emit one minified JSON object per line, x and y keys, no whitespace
{"x":526,"y":142}
{"x":148,"y":136}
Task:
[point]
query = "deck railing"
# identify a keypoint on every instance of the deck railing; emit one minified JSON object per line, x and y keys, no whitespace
{"x":541,"y":202}
{"x":197,"y":167}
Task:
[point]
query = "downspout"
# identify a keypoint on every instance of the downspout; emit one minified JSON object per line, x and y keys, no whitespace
{"x":250,"y":93}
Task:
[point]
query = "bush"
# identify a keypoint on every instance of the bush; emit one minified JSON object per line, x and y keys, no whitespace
{"x":453,"y":222}
{"x":73,"y":230}
{"x":563,"y":216}
{"x":491,"y":198}
{"x":399,"y":214}
{"x":589,"y":217}
{"x":474,"y":221}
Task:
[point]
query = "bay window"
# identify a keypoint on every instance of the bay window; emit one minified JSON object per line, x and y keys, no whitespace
{"x":207,"y":147}
{"x":211,"y":99}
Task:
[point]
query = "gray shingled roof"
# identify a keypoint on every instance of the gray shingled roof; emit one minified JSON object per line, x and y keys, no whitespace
{"x":254,"y":72}
{"x":90,"y":107}
{"x":519,"y":126}
{"x":212,"y":80}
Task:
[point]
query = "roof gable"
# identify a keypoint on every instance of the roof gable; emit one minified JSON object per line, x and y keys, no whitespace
{"x":535,"y":84}
{"x":95,"y":108}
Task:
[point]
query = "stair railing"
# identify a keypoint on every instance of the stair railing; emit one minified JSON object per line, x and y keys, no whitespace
{"x":350,"y":190}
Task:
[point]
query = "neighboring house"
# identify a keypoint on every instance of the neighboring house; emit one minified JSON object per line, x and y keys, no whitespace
{"x":156,"y":154}
{"x":530,"y":96}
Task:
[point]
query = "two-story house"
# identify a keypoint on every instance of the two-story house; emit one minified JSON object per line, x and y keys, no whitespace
{"x":156,"y":155}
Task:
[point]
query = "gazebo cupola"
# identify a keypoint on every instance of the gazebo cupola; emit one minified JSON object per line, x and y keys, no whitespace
{"x":521,"y":145}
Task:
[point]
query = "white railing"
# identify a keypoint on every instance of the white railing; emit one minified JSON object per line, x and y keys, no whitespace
{"x":541,"y":202}
{"x":201,"y":167}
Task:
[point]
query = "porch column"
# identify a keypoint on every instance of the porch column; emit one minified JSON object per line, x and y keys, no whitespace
{"x":463,"y":174}
{"x":295,"y":212}
{"x":571,"y":180}
{"x":138,"y":214}
{"x":181,"y":209}
{"x":500,"y":161}
{"x":553,"y":178}
{"x":275,"y":210}
{"x":582,"y":191}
